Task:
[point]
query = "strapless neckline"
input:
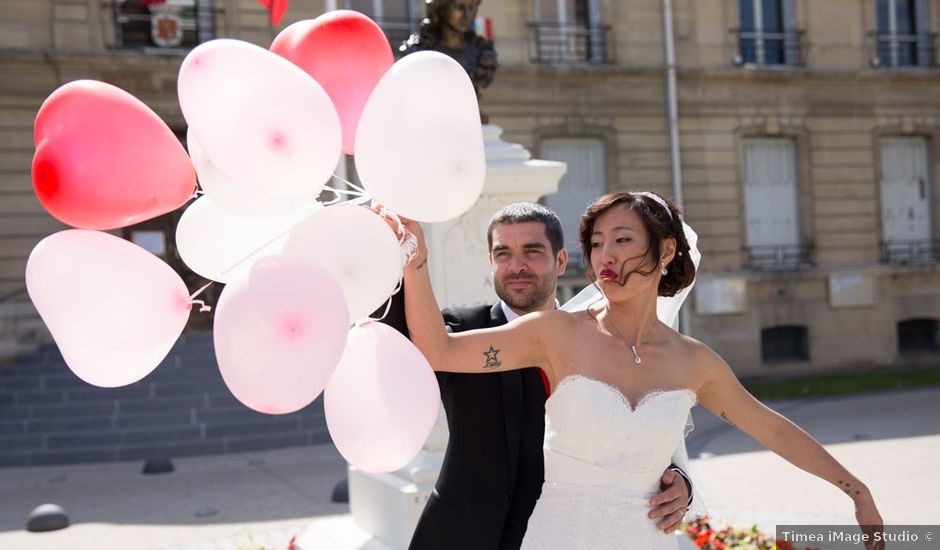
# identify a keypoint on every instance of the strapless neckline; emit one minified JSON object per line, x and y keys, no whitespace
{"x":604,"y":459}
{"x":648,"y":396}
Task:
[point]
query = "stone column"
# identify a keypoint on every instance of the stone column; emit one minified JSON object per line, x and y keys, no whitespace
{"x":388,"y":505}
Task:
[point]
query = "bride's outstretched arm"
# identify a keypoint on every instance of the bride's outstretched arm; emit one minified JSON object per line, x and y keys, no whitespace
{"x":723,"y":394}
{"x":517,"y":345}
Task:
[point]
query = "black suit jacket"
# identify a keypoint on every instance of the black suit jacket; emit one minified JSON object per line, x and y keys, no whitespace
{"x":493,"y":468}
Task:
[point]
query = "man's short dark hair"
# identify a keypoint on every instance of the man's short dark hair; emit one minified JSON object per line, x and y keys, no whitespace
{"x":519,"y":212}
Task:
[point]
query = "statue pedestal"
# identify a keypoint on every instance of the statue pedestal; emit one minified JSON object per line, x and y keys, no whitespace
{"x":389,"y":505}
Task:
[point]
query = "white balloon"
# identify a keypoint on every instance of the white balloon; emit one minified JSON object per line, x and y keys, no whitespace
{"x":357,"y":247}
{"x":419,"y":145}
{"x":241,"y":197}
{"x":219,"y":245}
{"x":259,"y":118}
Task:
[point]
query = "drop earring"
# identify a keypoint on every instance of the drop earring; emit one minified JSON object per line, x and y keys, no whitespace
{"x":665,"y":271}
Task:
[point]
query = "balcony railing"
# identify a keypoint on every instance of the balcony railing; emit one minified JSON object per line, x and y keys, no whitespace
{"x":780,"y":257}
{"x":767,"y":48}
{"x":575,"y":44}
{"x":165,"y":26}
{"x":902,"y":50}
{"x":923,"y":251}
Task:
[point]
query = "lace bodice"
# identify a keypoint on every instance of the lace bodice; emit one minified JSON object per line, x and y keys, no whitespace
{"x":594,"y":436}
{"x":604,"y":458}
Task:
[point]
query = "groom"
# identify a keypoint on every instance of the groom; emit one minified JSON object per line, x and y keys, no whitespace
{"x":493,"y":468}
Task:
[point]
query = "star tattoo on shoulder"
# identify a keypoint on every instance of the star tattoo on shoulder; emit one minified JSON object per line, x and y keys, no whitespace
{"x":492,"y":359}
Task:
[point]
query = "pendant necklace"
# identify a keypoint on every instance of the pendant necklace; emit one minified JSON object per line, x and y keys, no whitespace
{"x":636,"y":356}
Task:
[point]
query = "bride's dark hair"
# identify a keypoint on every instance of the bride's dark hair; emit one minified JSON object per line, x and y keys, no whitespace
{"x":659,"y":225}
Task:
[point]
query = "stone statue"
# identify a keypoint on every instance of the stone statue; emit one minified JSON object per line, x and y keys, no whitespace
{"x":448,"y":28}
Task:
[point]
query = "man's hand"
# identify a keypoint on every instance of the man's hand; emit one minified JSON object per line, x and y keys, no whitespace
{"x":670,"y":504}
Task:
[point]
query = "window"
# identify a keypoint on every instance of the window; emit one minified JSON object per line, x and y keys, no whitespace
{"x":919,"y":336}
{"x":772,"y":231}
{"x":569,"y":31}
{"x":398,"y":18}
{"x":585,"y":180}
{"x":903,"y":37}
{"x":785,"y":343}
{"x":162,"y":23}
{"x":905,"y":202}
{"x":767,"y":33}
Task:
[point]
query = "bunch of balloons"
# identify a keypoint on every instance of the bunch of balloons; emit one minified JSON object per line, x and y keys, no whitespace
{"x":266,"y":130}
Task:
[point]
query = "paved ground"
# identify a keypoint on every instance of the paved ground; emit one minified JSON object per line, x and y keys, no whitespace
{"x":890,"y":440}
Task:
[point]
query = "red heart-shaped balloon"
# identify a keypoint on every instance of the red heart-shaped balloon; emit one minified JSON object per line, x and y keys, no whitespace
{"x":105,"y":160}
{"x":344,"y":51}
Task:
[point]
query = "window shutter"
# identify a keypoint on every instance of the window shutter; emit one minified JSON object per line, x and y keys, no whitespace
{"x":791,"y":44}
{"x":924,"y":43}
{"x":905,"y":190}
{"x":770,"y":193}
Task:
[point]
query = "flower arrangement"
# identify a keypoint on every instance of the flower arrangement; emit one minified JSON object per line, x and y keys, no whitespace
{"x":708,"y":537}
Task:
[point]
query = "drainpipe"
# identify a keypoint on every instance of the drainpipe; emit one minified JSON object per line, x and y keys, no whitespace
{"x":672,"y":121}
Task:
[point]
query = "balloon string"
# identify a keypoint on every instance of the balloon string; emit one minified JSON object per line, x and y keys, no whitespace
{"x":388,"y":305}
{"x":351,"y":184}
{"x":263,"y":246}
{"x":361,"y":197}
{"x":409,"y":249}
{"x":344,"y":191}
{"x":202,"y":305}
{"x":407,"y":241}
{"x":339,"y":195}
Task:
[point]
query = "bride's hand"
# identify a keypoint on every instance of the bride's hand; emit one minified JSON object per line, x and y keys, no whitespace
{"x":869,"y":519}
{"x":421,"y":255}
{"x":410,"y":226}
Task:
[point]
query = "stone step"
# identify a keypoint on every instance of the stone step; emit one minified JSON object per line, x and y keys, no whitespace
{"x":48,"y":355}
{"x":50,"y":416}
{"x":90,"y":432}
{"x":157,"y":449}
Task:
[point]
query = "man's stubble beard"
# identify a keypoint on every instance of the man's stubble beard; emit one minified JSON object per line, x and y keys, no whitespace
{"x":527,"y":303}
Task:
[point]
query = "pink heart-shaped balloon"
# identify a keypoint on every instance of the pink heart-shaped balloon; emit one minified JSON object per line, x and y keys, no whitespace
{"x":347,"y":53}
{"x":105,"y":160}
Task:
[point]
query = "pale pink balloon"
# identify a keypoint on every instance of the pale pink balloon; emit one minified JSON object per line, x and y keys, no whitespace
{"x":383,"y":400}
{"x":113,"y":308}
{"x":280,"y":328}
{"x":260,"y":119}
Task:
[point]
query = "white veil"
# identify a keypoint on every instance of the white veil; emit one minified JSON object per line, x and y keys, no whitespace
{"x":667,"y":309}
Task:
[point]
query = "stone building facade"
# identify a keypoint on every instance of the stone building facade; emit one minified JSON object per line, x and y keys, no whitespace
{"x":809,"y":139}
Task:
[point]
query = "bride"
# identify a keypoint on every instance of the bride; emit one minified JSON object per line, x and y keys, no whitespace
{"x":622,"y":381}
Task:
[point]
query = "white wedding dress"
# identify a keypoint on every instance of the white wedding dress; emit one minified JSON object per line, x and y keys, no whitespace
{"x":604,"y":459}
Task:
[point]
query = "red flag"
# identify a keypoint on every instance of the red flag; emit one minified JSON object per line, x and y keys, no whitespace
{"x":276,"y":9}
